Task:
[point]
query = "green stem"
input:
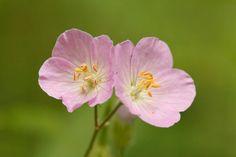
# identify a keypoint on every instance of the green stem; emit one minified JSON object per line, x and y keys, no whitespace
{"x":98,"y":127}
{"x":95,"y":132}
{"x":109,"y":116}
{"x":96,"y":117}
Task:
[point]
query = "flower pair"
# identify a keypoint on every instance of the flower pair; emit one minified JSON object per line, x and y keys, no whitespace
{"x":85,"y":69}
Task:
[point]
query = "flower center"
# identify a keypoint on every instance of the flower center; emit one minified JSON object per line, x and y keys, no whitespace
{"x":145,"y":83}
{"x":88,"y":76}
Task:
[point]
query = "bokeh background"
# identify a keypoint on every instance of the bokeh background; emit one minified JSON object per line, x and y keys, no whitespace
{"x":200,"y":33}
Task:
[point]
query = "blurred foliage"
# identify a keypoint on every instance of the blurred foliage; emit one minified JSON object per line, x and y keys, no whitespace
{"x":121,"y":136}
{"x":200,"y":33}
{"x":116,"y":136}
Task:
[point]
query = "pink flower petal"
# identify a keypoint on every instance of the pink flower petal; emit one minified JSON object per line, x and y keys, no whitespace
{"x":176,"y":92}
{"x":103,"y":48}
{"x":73,"y":99}
{"x":75,"y":46}
{"x":122,"y":66}
{"x":151,"y":54}
{"x":123,"y":54}
{"x":56,"y":76}
{"x":161,"y":119}
{"x":102,"y":51}
{"x":125,"y":98}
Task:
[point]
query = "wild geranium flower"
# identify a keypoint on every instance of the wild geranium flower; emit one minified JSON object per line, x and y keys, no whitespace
{"x":79,"y":70}
{"x":148,"y":85}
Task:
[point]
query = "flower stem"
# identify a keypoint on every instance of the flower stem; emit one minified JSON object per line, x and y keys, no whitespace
{"x":96,"y":117}
{"x":98,"y":127}
{"x":95,"y":132}
{"x":109,"y":116}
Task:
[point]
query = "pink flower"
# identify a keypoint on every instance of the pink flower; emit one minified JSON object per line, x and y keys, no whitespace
{"x":148,"y":85}
{"x":79,"y":70}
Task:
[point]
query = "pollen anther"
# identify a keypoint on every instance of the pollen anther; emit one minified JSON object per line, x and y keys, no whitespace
{"x":81,"y":69}
{"x":88,"y":77}
{"x":83,"y":90}
{"x":95,"y":67}
{"x":150,"y":94}
{"x":146,"y":82}
{"x":155,"y":85}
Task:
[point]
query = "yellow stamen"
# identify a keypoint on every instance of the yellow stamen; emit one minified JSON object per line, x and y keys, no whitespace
{"x":146,"y":82}
{"x":76,"y":75}
{"x":83,"y":89}
{"x":78,"y":70}
{"x":81,"y":69}
{"x":87,"y":78}
{"x":155,"y":85}
{"x":146,"y":75}
{"x":150,"y":94}
{"x":95,"y":67}
{"x":84,"y":67}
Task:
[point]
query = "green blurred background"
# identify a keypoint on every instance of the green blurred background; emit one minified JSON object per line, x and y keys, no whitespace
{"x":200,"y":33}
